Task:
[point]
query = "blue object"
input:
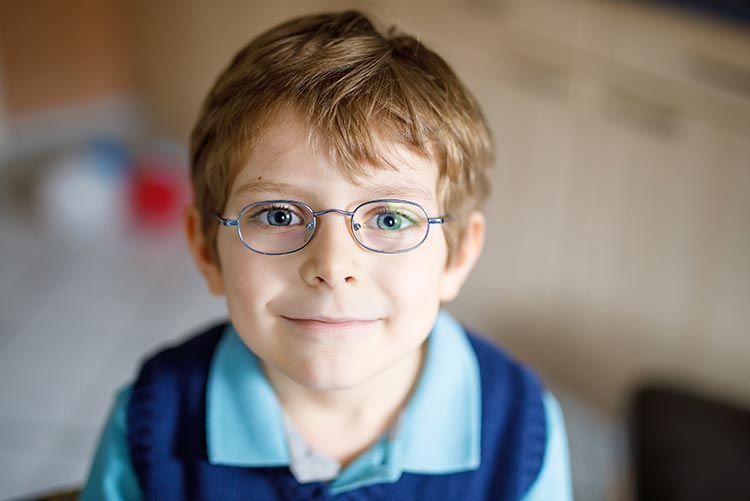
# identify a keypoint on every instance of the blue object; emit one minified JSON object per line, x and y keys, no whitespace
{"x":737,"y":11}
{"x":111,"y":158}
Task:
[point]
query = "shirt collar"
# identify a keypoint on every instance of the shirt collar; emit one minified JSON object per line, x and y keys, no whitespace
{"x":244,"y":420}
{"x":441,"y":427}
{"x":439,"y":430}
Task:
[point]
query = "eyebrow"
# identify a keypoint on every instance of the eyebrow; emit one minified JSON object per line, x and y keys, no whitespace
{"x":376,"y":192}
{"x":252,"y":187}
{"x":408,"y":192}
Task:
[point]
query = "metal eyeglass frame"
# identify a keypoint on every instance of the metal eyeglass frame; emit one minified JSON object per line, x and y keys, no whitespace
{"x":313,"y":225}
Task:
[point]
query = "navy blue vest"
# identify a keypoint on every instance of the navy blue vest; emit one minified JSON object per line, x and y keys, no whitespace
{"x":167,"y":438}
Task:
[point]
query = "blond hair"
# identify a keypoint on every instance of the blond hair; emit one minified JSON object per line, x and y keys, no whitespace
{"x":355,"y":86}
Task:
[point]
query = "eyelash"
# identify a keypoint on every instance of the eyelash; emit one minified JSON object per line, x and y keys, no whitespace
{"x":260,"y":210}
{"x":384,"y":210}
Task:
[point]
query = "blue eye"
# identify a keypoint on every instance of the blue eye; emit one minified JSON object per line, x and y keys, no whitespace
{"x":275,"y":217}
{"x":279,"y":217}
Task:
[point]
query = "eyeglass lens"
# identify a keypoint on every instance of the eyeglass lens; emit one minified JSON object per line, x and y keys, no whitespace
{"x":280,"y":227}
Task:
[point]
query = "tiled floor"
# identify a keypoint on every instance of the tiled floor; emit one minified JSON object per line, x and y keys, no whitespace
{"x":74,"y":322}
{"x":76,"y":318}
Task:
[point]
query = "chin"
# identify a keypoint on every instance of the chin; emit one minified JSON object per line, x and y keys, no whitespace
{"x":326,"y":379}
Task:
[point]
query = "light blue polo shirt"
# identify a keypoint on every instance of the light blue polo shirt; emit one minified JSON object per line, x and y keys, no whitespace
{"x":438,"y":432}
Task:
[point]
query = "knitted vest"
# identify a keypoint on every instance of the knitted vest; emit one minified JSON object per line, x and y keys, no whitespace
{"x":166,"y":424}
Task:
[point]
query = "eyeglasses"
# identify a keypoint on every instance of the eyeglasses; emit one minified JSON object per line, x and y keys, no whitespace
{"x":276,"y":227}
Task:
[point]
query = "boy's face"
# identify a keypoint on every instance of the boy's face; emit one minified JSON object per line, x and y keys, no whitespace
{"x":333,"y":314}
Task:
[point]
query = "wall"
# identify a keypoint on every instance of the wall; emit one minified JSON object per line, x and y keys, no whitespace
{"x":58,"y":53}
{"x":66,"y":74}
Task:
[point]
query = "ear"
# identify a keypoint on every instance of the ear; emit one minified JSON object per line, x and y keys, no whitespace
{"x":467,"y":254}
{"x":201,"y":251}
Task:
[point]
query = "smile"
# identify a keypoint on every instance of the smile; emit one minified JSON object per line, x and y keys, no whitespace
{"x":336,"y":327}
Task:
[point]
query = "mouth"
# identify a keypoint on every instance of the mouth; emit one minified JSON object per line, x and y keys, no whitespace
{"x":331,"y":326}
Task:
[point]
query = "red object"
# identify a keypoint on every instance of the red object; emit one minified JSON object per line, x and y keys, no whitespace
{"x":158,"y":194}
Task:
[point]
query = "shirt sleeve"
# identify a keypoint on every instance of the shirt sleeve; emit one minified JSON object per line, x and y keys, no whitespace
{"x":554,"y":480}
{"x":112,"y":477}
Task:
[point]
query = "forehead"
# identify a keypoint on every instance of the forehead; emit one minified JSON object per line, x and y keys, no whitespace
{"x":291,"y":155}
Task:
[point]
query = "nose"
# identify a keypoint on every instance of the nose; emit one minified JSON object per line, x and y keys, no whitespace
{"x":332,"y":258}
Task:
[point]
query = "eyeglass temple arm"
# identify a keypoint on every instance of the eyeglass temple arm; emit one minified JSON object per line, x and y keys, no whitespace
{"x":438,"y":220}
{"x":226,"y":221}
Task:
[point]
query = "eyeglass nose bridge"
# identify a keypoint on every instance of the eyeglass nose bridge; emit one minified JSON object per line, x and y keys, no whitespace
{"x":355,"y":226}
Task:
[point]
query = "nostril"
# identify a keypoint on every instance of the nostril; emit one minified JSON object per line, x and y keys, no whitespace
{"x":332,"y":281}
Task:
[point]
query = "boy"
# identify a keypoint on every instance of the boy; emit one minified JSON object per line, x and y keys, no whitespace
{"x":338,"y":175}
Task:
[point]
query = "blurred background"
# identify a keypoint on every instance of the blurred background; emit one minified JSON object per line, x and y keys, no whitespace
{"x":618,"y":253}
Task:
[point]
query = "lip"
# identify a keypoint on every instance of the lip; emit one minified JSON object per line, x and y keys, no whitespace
{"x":331,"y":327}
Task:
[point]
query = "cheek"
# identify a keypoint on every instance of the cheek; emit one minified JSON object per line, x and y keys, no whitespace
{"x":414,"y":284}
{"x":249,"y":279}
{"x":250,"y":286}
